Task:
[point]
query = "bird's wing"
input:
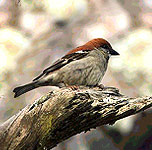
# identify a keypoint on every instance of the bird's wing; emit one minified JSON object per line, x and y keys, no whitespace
{"x":63,"y":61}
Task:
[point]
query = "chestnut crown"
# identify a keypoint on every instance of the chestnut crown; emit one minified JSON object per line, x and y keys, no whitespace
{"x":103,"y":44}
{"x":98,"y":43}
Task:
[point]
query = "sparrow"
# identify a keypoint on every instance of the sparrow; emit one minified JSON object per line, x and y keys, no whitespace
{"x":84,"y":65}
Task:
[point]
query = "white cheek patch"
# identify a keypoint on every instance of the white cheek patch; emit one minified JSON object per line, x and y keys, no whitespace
{"x":80,"y":52}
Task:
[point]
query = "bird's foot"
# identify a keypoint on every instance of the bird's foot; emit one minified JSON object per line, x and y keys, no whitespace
{"x":74,"y":87}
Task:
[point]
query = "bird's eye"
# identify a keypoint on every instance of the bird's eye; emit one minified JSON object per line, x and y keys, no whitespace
{"x":104,"y":46}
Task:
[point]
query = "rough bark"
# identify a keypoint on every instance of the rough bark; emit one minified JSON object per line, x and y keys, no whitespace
{"x":63,"y":113}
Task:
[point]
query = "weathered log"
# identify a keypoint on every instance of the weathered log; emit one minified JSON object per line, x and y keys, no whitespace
{"x":63,"y":113}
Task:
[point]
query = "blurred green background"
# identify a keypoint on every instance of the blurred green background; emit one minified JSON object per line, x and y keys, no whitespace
{"x":34,"y":33}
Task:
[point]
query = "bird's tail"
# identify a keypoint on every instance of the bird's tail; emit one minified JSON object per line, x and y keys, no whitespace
{"x":25,"y":88}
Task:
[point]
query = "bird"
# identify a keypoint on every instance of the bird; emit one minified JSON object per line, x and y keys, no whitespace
{"x":82,"y":66}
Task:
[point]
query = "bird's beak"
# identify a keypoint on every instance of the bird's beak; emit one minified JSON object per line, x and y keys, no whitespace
{"x":113,"y":52}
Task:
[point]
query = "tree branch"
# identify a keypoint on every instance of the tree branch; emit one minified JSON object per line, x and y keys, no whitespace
{"x":63,"y":113}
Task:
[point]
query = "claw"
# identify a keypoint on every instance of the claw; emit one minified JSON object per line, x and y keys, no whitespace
{"x":74,"y":87}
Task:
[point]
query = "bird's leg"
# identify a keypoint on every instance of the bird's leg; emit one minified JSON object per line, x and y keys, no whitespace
{"x":74,"y":87}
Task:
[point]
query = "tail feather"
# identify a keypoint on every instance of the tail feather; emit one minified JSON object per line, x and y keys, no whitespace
{"x":25,"y":88}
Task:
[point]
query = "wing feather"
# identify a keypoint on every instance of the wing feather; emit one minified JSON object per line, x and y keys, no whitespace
{"x":63,"y":61}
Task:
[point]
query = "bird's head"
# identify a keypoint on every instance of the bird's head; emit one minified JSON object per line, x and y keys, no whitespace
{"x":102,"y":45}
{"x":98,"y":43}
